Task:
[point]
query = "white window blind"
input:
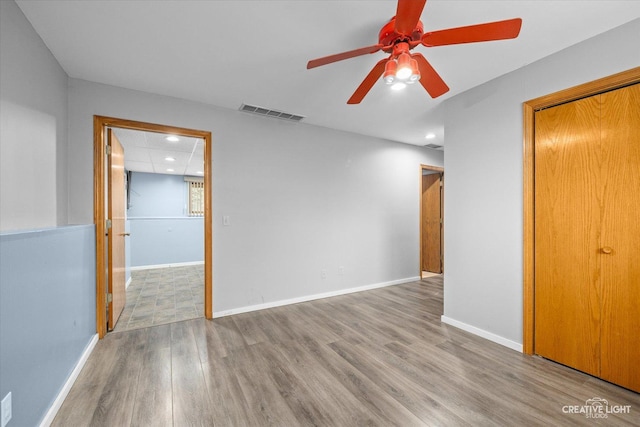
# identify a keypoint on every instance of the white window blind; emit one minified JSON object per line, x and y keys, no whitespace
{"x":196,"y":195}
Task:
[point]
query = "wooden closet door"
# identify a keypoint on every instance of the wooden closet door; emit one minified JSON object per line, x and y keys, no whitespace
{"x":621,"y":238}
{"x":568,"y":202}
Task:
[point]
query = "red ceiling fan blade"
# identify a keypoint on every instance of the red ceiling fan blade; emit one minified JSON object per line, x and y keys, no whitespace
{"x":368,"y":82}
{"x":344,"y":55}
{"x":429,"y":77}
{"x":408,"y":15}
{"x":499,"y":30}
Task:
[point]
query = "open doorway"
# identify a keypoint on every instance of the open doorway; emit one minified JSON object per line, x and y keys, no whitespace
{"x":110,"y":295}
{"x":431,"y":221}
{"x":164,"y":228}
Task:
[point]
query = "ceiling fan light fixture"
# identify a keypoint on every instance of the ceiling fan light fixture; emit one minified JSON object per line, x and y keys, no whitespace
{"x":390,"y":71}
{"x":404,"y":70}
{"x":415,"y":72}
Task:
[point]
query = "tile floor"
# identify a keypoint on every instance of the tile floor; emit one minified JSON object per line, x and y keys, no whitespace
{"x":163,"y":295}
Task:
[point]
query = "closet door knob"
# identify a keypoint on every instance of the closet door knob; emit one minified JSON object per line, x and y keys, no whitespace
{"x":606,"y":250}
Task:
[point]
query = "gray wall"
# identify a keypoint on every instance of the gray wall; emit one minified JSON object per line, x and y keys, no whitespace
{"x":300,"y":198}
{"x":483,"y":209}
{"x":33,"y":127}
{"x":47,"y":277}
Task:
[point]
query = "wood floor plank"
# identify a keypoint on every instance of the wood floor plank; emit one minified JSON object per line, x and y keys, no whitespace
{"x":153,"y":403}
{"x":375,"y":358}
{"x":190,"y":398}
{"x":459,"y":389}
{"x":321,"y":313}
{"x":247,"y":324}
{"x":368,"y":327}
{"x":415,"y":399}
{"x":225,"y":397}
{"x":307,"y":406}
{"x":115,"y":406}
{"x":370,"y":396}
{"x":210,"y":346}
{"x":229,"y":334}
{"x":261,"y":393}
{"x":91,"y":382}
{"x":322,"y":332}
{"x":385,"y":326}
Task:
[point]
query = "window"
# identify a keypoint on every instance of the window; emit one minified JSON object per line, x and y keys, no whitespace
{"x":195,"y":195}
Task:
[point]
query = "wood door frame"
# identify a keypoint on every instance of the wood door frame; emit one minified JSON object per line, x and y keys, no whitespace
{"x":441,"y":171}
{"x":595,"y":87}
{"x":100,"y":123}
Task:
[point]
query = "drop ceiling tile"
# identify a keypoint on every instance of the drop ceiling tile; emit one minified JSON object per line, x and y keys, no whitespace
{"x":138,"y":166}
{"x":159,"y":141}
{"x":131,"y":138}
{"x":137,"y":154}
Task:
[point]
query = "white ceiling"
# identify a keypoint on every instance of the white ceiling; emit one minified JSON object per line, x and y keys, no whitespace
{"x":149,"y":152}
{"x":226,"y":53}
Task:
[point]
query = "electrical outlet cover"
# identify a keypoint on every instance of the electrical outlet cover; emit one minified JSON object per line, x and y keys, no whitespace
{"x":5,"y":410}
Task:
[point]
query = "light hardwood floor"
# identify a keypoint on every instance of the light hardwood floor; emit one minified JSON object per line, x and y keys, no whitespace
{"x":377,"y":358}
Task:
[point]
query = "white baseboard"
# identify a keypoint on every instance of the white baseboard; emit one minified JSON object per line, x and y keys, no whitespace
{"x":126,"y":285}
{"x":55,"y":407}
{"x":176,"y":264}
{"x":306,"y":298}
{"x":482,"y":333}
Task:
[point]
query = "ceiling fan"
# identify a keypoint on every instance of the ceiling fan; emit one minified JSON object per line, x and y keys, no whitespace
{"x":404,"y":32}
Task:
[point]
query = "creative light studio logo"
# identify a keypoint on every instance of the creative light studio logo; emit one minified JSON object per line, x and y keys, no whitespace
{"x":596,"y":407}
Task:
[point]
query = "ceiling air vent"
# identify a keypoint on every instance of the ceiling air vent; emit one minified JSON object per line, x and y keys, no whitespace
{"x":270,"y":113}
{"x":434,"y":146}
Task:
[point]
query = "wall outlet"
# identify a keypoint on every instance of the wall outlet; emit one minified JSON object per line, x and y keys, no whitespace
{"x":5,"y":410}
{"x":341,"y":271}
{"x":225,"y":220}
{"x":323,"y":273}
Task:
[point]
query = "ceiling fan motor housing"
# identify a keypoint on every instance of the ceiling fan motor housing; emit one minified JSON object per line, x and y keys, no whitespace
{"x":389,"y":37}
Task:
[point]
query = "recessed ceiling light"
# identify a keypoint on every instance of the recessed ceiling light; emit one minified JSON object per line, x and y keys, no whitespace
{"x":430,"y":135}
{"x":172,"y":138}
{"x":169,"y":170}
{"x":200,"y":172}
{"x":170,"y":159}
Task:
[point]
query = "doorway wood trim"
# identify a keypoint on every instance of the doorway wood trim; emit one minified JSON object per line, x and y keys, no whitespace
{"x":100,"y":123}
{"x":605,"y":84}
{"x":429,"y":168}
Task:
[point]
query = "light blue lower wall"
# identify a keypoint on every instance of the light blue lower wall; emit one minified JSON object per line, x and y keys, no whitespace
{"x":47,"y":314}
{"x":157,"y":241}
